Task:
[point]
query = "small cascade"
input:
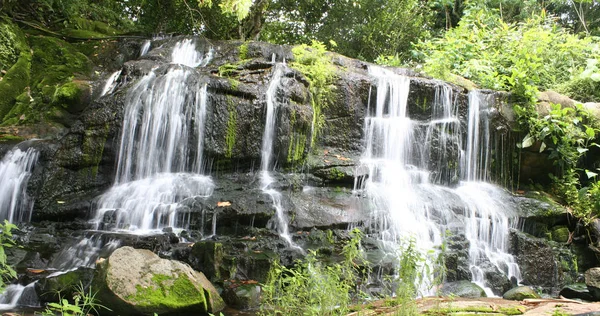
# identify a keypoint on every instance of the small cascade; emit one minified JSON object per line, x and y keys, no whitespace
{"x":266,"y":163}
{"x":17,"y":295}
{"x":185,"y":53}
{"x":111,"y":83}
{"x":145,"y":47}
{"x":160,"y":155}
{"x":83,"y":253}
{"x":15,"y":170}
{"x":489,"y":217}
{"x":420,"y":177}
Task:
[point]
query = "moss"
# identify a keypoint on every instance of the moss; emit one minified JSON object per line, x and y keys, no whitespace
{"x":424,"y":106}
{"x":171,"y":293}
{"x":477,"y":310}
{"x":243,"y":51}
{"x":55,"y":62}
{"x":9,"y":50}
{"x":316,"y":65}
{"x":48,"y":73}
{"x":14,"y":83}
{"x":512,"y":310}
{"x":10,"y":139}
{"x":93,"y":148}
{"x":231,"y":127}
{"x":560,"y":234}
{"x":233,"y":83}
{"x":228,"y":69}
{"x":67,"y":94}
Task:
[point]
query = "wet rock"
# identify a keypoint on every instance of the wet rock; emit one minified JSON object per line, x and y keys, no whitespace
{"x":465,"y":289}
{"x":537,"y":261}
{"x":592,"y":280}
{"x":456,"y":258}
{"x":327,"y":207}
{"x":207,"y":257}
{"x":520,"y":293}
{"x":242,"y":296}
{"x":62,"y":285}
{"x":495,"y":279}
{"x":576,"y":291}
{"x":138,"y":282}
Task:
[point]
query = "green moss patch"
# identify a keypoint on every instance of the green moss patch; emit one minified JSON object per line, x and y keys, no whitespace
{"x":170,"y":292}
{"x":16,"y":79}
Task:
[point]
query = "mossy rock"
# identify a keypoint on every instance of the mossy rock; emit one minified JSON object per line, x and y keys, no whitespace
{"x":17,"y":76}
{"x":560,"y":234}
{"x":463,"y":289}
{"x":9,"y":47}
{"x":520,"y":293}
{"x":65,"y":284}
{"x":138,"y":282}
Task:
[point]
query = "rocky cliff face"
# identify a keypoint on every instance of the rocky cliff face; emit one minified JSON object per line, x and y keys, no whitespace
{"x":316,"y":166}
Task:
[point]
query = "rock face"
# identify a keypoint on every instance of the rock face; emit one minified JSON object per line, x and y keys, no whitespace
{"x":592,"y":280}
{"x":233,"y":228}
{"x":542,"y":264}
{"x":138,"y":282}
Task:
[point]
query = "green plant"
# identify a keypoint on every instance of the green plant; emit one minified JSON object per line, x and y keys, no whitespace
{"x":314,"y":62}
{"x":311,"y":287}
{"x":518,"y":57}
{"x":84,"y":303}
{"x":7,"y":273}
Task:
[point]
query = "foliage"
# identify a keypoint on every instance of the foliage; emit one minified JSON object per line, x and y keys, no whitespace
{"x":84,"y":303}
{"x":519,"y":57}
{"x":584,"y":87}
{"x":567,"y":134}
{"x":413,"y":268}
{"x":311,"y":287}
{"x":7,"y":273}
{"x":315,"y":63}
{"x":362,"y":28}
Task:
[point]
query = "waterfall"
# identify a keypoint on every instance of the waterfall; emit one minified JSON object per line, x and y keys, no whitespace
{"x":413,"y":176}
{"x":489,"y":216}
{"x":267,"y":152}
{"x":160,"y":156}
{"x":15,"y":170}
{"x":111,"y":83}
{"x":145,"y":47}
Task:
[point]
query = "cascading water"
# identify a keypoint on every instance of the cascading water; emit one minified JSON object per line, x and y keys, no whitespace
{"x":111,"y":83}
{"x":489,"y":216}
{"x":15,"y":170}
{"x":408,"y":164}
{"x":160,"y":155}
{"x":266,"y":180}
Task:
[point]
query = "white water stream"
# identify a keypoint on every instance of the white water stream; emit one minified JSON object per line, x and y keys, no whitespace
{"x":406,"y":160}
{"x":15,"y":170}
{"x":160,"y":155}
{"x":266,"y":163}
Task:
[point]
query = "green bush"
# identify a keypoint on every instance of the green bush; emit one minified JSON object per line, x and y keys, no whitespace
{"x":523,"y":58}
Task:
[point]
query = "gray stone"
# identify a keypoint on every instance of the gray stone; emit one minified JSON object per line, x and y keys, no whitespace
{"x":592,"y":280}
{"x":138,"y":282}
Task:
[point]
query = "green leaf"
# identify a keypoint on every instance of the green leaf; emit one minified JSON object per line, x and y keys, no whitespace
{"x":527,"y":141}
{"x":542,"y":146}
{"x":581,"y":150}
{"x":590,"y":174}
{"x":595,"y":77}
{"x":590,"y":132}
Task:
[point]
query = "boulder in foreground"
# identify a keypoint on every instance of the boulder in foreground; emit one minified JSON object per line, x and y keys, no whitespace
{"x":138,"y":282}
